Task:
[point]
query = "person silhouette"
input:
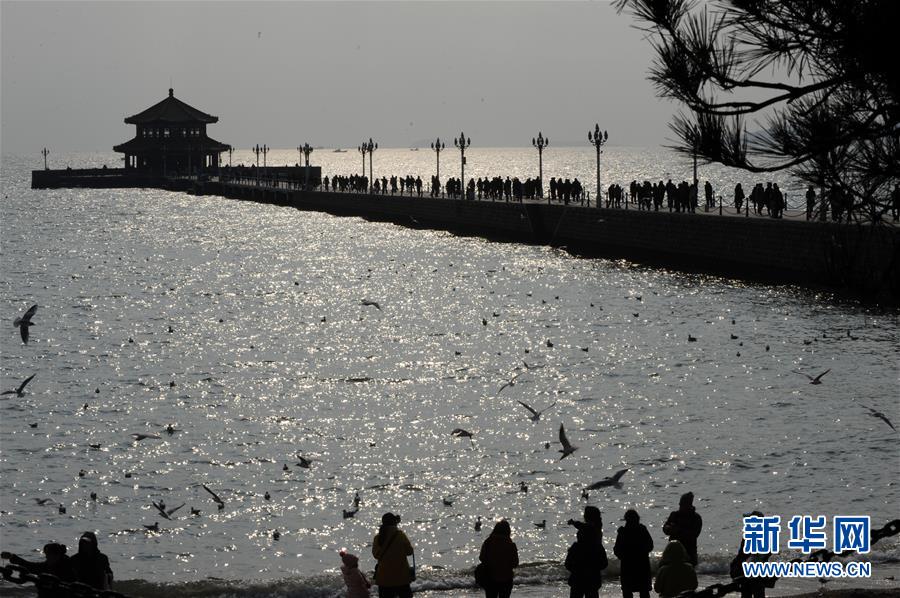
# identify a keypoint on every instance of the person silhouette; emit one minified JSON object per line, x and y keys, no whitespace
{"x":500,"y":555}
{"x":684,"y":525}
{"x":585,"y":561}
{"x":91,"y":566}
{"x":390,"y":548}
{"x":675,"y":574}
{"x":633,"y":547}
{"x":56,"y":563}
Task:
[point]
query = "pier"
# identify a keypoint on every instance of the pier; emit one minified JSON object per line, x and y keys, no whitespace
{"x":860,"y":258}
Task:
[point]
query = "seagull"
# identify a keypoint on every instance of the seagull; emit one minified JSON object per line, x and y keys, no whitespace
{"x":215,"y":497}
{"x":448,"y":501}
{"x":24,"y":322}
{"x":541,"y":525}
{"x":276,"y":535}
{"x":161,"y":507}
{"x":195,"y":512}
{"x":153,"y":528}
{"x":138,"y":437}
{"x":304,"y":462}
{"x":19,"y":391}
{"x":692,"y":339}
{"x":535,"y":415}
{"x":478,"y":523}
{"x":879,"y":415}
{"x":349,"y":514}
{"x":584,"y":494}
{"x":612,"y":480}
{"x":267,"y":496}
{"x":356,"y":501}
{"x":371,"y":303}
{"x":816,"y":380}
{"x":483,"y":322}
{"x":523,"y":487}
{"x":549,"y":344}
{"x":460,"y":433}
{"x":62,"y":509}
{"x":43,"y":501}
{"x":532,"y":367}
{"x":510,"y":382}
{"x":734,"y":337}
{"x":170,"y":429}
{"x":567,"y":448}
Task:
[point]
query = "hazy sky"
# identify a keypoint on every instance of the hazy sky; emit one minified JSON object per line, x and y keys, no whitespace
{"x":327,"y":73}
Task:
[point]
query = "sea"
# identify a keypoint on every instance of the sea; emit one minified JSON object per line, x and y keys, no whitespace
{"x":235,"y":336}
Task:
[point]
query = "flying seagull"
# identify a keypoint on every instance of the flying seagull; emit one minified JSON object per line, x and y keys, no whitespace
{"x":215,"y":497}
{"x":567,"y":448}
{"x":510,"y":382}
{"x":612,"y":480}
{"x":879,"y":415}
{"x":816,"y":380}
{"x":371,"y":303}
{"x":535,"y":415}
{"x":161,"y":507}
{"x":24,"y":322}
{"x":19,"y":391}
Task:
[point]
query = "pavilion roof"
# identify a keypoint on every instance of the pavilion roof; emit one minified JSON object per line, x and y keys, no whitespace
{"x":171,"y":110}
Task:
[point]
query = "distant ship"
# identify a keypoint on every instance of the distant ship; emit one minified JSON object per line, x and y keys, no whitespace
{"x":413,"y":149}
{"x":340,"y":151}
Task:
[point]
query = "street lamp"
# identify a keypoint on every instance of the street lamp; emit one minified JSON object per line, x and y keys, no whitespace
{"x":598,"y":139}
{"x":540,"y":143}
{"x":45,"y":152}
{"x":368,"y":147}
{"x":230,"y":151}
{"x":306,"y":149}
{"x":462,"y":143}
{"x":260,"y":150}
{"x":437,"y":146}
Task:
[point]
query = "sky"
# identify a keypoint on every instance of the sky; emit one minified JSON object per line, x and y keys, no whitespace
{"x":327,"y":73}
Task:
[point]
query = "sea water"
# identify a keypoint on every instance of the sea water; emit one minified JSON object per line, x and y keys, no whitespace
{"x":242,"y":326}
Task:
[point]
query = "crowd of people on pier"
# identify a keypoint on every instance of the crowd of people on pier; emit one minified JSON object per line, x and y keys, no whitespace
{"x":764,"y":199}
{"x":497,"y":560}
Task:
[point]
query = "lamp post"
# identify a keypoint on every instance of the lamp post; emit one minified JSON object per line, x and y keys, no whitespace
{"x":368,"y":147}
{"x":45,"y":152}
{"x":540,"y":143}
{"x":230,"y":151}
{"x":598,"y":139}
{"x":260,"y":150}
{"x":462,"y":143}
{"x":305,"y":149}
{"x":437,"y":146}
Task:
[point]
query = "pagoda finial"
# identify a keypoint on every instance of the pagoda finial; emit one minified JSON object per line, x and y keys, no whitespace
{"x":171,"y":92}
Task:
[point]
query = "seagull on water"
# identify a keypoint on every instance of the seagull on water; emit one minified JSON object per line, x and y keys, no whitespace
{"x":138,"y":437}
{"x":460,"y":433}
{"x":816,"y":380}
{"x":448,"y":501}
{"x":153,"y":528}
{"x":879,"y":415}
{"x":532,"y":367}
{"x":215,"y":497}
{"x":349,"y":514}
{"x":304,"y":462}
{"x":613,"y":480}
{"x":541,"y":525}
{"x":535,"y":415}
{"x":43,"y":501}
{"x":478,"y":523}
{"x":19,"y":392}
{"x":23,"y":322}
{"x":567,"y":448}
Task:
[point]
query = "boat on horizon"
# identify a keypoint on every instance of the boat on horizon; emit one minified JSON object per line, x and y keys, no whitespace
{"x":340,"y":151}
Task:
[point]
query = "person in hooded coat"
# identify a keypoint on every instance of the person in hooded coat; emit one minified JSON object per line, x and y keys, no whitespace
{"x":355,"y":580}
{"x":684,"y":525}
{"x":676,"y":574}
{"x":500,"y":556}
{"x":633,"y":547}
{"x":92,"y":566}
{"x":585,"y":561}
{"x":390,"y":548}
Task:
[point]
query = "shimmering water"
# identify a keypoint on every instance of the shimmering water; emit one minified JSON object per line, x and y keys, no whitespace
{"x":271,"y":354}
